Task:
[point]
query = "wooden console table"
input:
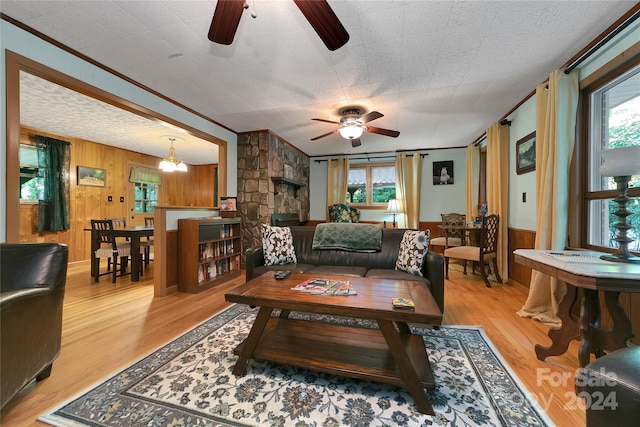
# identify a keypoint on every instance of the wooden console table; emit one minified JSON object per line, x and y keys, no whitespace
{"x":585,"y":269}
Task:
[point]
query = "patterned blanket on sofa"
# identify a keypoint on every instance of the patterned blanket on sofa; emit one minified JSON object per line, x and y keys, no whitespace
{"x":353,"y":237}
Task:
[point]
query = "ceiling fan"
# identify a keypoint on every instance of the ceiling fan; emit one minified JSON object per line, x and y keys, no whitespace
{"x":353,"y":125}
{"x":318,"y":12}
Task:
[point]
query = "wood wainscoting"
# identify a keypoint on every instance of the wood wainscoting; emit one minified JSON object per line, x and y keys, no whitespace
{"x":520,"y":239}
{"x":194,"y":188}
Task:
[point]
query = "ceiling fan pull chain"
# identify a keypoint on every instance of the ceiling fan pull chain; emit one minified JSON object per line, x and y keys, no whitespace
{"x":253,"y":11}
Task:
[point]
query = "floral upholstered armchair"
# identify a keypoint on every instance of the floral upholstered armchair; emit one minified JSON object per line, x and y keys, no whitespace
{"x":341,"y":212}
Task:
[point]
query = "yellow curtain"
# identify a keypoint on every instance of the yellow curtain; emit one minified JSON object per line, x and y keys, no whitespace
{"x":408,"y":179}
{"x":337,"y":179}
{"x":556,"y":111}
{"x":498,"y":189}
{"x":473,"y":178}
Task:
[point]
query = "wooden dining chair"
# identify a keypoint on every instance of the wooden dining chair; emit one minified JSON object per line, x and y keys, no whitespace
{"x":117,"y":254}
{"x":121,"y":222}
{"x":450,"y":237}
{"x":485,"y":251}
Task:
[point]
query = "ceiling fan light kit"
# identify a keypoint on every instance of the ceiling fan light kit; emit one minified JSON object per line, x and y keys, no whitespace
{"x":353,"y":125}
{"x":351,"y":131}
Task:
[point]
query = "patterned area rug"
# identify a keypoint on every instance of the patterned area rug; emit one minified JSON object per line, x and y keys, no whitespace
{"x":188,"y":382}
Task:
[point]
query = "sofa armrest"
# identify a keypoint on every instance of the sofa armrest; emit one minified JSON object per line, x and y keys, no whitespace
{"x":433,"y":269}
{"x":254,"y":257}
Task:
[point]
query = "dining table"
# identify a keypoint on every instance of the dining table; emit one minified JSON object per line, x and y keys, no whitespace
{"x":133,"y":234}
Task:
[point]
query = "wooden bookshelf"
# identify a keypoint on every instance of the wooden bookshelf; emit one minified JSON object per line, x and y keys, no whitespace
{"x":209,"y":252}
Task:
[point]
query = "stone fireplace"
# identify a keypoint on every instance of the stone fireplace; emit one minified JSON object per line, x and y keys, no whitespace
{"x":262,"y":158}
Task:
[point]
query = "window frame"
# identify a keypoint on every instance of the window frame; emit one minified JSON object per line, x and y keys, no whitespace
{"x":369,"y":204}
{"x":600,"y":78}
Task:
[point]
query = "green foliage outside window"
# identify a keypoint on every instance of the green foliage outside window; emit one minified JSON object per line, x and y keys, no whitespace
{"x":625,"y":134}
{"x":383,"y":194}
{"x":145,"y":197}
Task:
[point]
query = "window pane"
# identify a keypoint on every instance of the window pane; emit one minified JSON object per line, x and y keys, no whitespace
{"x":615,"y":122}
{"x":31,"y":182}
{"x":601,"y":231}
{"x":383,"y":183}
{"x":357,"y":186}
{"x":145,"y":197}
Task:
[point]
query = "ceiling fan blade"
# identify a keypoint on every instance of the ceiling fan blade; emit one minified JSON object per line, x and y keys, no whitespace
{"x":225,"y":21}
{"x":323,"y":135}
{"x":325,"y":22}
{"x":371,"y":116}
{"x":355,"y":142}
{"x":326,"y":121}
{"x":385,"y":132}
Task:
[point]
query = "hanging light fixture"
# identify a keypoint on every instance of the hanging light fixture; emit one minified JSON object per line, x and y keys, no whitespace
{"x":351,"y":131}
{"x":171,"y":163}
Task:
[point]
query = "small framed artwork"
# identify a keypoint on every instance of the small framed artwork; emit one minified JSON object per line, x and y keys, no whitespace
{"x":228,"y":203}
{"x":288,"y":171}
{"x":91,"y":177}
{"x":526,"y":154}
{"x":443,"y":172}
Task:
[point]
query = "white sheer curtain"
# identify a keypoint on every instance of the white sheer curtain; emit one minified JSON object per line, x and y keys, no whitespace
{"x":408,"y":183}
{"x":556,"y":112}
{"x":337,"y":179}
{"x":473,"y":181}
{"x":498,"y":189}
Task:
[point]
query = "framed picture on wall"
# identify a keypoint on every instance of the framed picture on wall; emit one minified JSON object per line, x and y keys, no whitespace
{"x":443,"y":172}
{"x":91,"y":177}
{"x":526,"y":154}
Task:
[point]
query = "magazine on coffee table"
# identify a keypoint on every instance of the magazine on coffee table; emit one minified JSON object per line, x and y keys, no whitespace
{"x":326,"y":287}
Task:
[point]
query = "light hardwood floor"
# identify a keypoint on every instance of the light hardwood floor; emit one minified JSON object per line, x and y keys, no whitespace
{"x":108,"y":326}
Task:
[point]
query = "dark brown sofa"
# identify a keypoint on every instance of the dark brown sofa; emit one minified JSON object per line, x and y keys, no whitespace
{"x":360,"y":264}
{"x":32,"y":279}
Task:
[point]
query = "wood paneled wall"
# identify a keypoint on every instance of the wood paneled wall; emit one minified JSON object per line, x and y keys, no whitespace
{"x":193,"y":188}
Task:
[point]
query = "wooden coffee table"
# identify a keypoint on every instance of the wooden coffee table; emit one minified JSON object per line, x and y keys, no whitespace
{"x":390,"y":355}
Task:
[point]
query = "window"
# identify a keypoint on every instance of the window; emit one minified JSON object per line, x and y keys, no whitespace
{"x":613,"y":111}
{"x":371,"y":185}
{"x":145,"y":197}
{"x":145,"y":188}
{"x":31,"y":182}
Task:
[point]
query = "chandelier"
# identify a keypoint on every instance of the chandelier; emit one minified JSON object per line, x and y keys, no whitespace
{"x":171,"y":163}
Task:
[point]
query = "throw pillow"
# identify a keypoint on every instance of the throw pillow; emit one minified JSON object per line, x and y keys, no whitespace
{"x":339,"y":213}
{"x":413,"y":248}
{"x":277,"y":245}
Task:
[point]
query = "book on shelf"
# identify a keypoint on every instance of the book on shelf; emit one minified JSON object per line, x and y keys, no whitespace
{"x":326,"y":287}
{"x":403,"y":303}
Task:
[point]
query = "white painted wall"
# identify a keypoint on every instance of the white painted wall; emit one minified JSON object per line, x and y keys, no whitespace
{"x":14,"y":39}
{"x":522,"y":215}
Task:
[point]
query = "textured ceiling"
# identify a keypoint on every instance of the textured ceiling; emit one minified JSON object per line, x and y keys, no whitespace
{"x":61,"y":111}
{"x":441,"y":72}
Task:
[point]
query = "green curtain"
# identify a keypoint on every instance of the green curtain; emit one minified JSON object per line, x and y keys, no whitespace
{"x":145,"y":175}
{"x":54,"y":158}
